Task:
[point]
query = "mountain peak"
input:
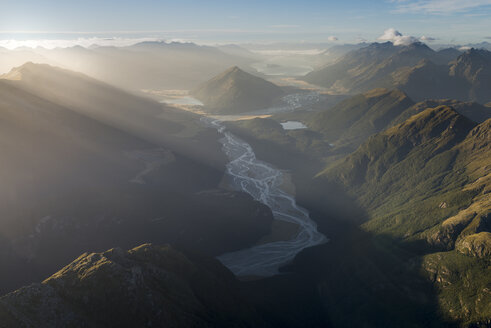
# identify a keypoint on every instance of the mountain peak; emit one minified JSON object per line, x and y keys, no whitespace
{"x":437,"y":122}
{"x":387,"y":44}
{"x":235,"y":69}
{"x":475,"y":56}
{"x":379,"y":92}
{"x":430,"y":132}
{"x":44,"y":72}
{"x":418,"y":45}
{"x":17,"y":73}
{"x":235,"y":91}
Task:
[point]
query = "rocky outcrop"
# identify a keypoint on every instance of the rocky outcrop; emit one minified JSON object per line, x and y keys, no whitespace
{"x":148,"y":286}
{"x":478,"y":245}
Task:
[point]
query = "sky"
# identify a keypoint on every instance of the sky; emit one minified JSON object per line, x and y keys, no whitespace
{"x":251,"y":21}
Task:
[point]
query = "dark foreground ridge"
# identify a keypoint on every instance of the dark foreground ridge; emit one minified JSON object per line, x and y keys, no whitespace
{"x":147,"y":286}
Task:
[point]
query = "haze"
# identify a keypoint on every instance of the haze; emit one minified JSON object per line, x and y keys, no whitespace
{"x":245,"y":164}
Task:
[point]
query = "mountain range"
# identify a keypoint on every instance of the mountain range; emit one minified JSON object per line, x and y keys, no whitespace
{"x":154,"y":65}
{"x":415,"y":69}
{"x":353,"y":120}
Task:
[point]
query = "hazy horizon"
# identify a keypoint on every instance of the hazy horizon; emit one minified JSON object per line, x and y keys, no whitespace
{"x":221,"y":22}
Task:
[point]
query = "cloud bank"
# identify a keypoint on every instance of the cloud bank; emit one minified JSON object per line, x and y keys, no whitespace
{"x":332,"y":38}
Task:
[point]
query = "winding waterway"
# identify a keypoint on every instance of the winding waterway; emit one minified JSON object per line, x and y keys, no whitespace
{"x":264,"y":183}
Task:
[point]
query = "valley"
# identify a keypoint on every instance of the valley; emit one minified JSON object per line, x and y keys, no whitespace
{"x":264,"y":183}
{"x":229,"y":187}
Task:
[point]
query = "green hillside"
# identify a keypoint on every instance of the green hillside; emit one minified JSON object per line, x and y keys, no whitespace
{"x":425,"y":183}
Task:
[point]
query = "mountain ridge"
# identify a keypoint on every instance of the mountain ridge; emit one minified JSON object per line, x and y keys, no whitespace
{"x":415,"y":69}
{"x":147,"y":285}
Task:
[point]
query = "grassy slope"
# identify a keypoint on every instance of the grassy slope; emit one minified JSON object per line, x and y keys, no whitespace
{"x":350,"y":122}
{"x":448,"y":165}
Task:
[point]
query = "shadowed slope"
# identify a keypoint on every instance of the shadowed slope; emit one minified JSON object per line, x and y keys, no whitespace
{"x":146,"y":286}
{"x":72,"y":183}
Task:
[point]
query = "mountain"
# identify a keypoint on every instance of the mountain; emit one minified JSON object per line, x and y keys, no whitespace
{"x":472,"y":110}
{"x":146,"y":65}
{"x":449,"y":54}
{"x":466,"y":78}
{"x":151,"y":286}
{"x":351,"y":121}
{"x":426,"y":80}
{"x":474,"y":68}
{"x":19,"y":56}
{"x":415,"y":69}
{"x":339,"y":129}
{"x":361,"y":70}
{"x":335,"y":75}
{"x":235,"y":91}
{"x":481,"y":45}
{"x":112,"y":106}
{"x":429,"y":132}
{"x":335,"y":52}
{"x":87,"y":167}
{"x":425,"y":183}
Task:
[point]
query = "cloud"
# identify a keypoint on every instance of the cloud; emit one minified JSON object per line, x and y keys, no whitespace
{"x":440,"y":6}
{"x":488,"y":37}
{"x":332,"y":38}
{"x":427,"y":38}
{"x":397,"y":38}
